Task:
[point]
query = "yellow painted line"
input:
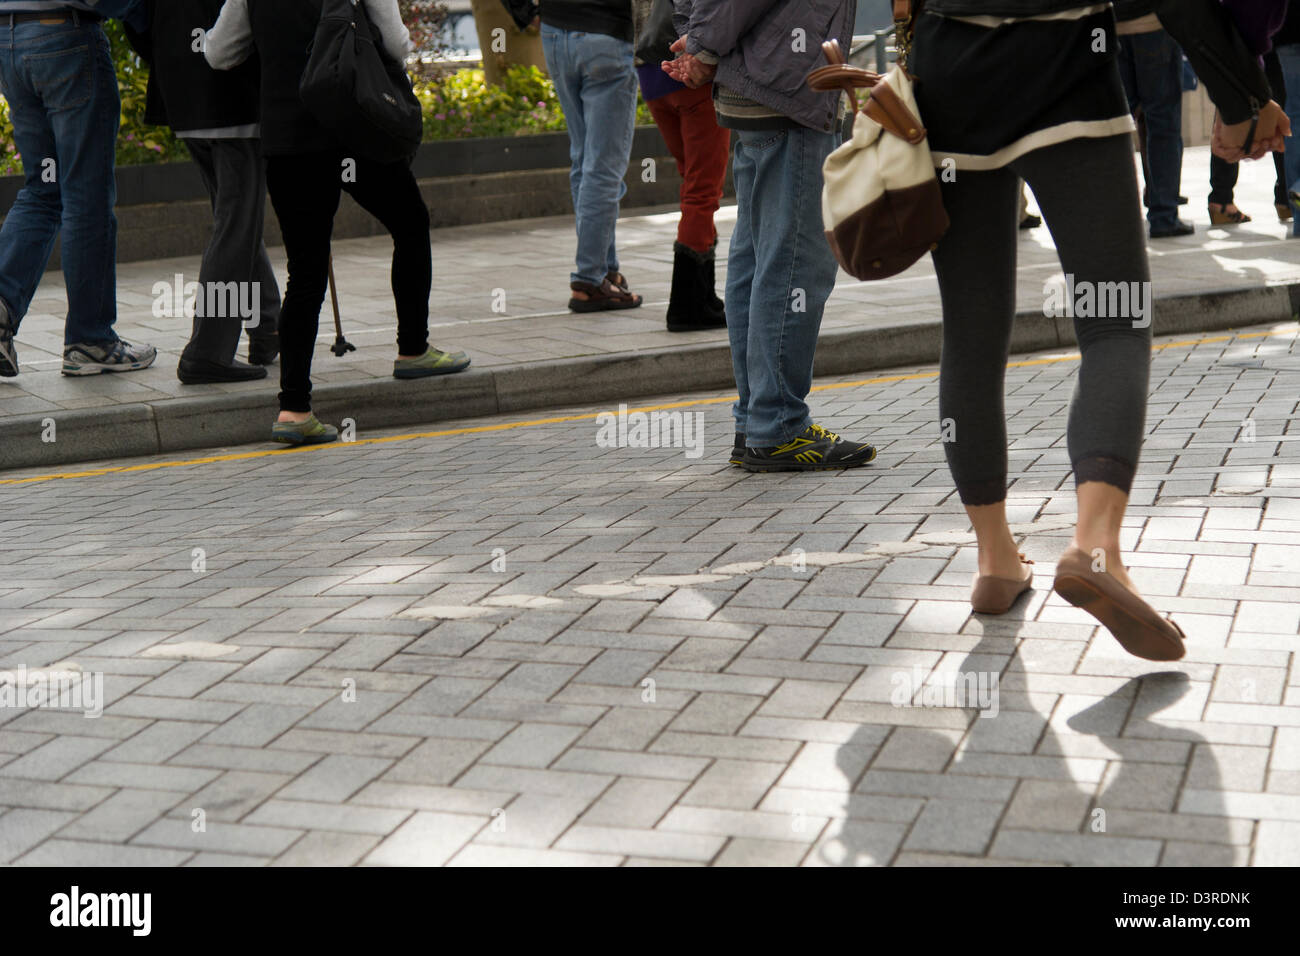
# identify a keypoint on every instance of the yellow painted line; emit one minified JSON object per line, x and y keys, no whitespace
{"x":561,"y":419}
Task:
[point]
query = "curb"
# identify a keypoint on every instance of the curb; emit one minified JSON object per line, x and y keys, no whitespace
{"x":183,"y":424}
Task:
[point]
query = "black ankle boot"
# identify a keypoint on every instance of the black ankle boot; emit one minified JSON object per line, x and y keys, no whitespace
{"x":692,"y":303}
{"x":710,"y":285}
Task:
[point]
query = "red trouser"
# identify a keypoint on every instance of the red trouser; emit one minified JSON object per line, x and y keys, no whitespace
{"x":701,"y":147}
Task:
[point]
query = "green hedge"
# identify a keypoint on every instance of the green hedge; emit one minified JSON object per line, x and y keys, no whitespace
{"x":457,"y":105}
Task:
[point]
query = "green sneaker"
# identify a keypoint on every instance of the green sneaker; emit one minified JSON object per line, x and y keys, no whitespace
{"x":310,"y":432}
{"x":432,"y":362}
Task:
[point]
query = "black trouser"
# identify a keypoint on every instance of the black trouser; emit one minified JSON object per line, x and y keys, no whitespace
{"x":233,"y":174}
{"x":1223,"y":174}
{"x":305,"y":190}
{"x":1087,"y":191}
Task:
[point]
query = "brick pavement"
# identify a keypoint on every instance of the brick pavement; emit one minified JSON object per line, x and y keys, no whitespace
{"x":518,"y":647}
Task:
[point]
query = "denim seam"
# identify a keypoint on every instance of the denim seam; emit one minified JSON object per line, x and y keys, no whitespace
{"x":800,"y":171}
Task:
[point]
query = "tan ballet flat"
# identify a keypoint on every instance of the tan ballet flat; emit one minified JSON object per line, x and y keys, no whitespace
{"x":1134,"y":623}
{"x":991,"y":594}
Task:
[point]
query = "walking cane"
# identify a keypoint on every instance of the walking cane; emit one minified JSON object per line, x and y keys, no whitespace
{"x":341,"y":345}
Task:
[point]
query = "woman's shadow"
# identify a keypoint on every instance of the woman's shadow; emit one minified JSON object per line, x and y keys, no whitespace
{"x":1098,"y":784}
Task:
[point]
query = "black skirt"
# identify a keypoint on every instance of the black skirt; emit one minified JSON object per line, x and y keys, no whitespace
{"x":988,"y":94}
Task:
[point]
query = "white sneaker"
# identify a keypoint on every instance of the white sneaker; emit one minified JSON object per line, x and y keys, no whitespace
{"x":121,"y":356}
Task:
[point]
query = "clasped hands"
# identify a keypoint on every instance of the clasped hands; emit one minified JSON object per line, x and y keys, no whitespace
{"x":1229,"y":141}
{"x":687,"y":69}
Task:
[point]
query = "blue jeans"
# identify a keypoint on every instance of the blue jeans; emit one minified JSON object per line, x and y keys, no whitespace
{"x":1288,"y":57}
{"x":780,"y":272}
{"x":62,"y":94}
{"x":1152,"y":67}
{"x":596,"y":83}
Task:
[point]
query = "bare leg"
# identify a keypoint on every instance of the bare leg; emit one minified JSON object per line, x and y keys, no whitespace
{"x":999,"y":555}
{"x":1101,"y":513}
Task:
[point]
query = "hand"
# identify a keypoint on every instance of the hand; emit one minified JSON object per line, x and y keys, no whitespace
{"x":1229,"y":141}
{"x":686,"y":68}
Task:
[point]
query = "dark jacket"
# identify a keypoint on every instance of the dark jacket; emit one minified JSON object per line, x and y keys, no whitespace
{"x":184,"y":92}
{"x":1257,"y":20}
{"x":521,"y":11}
{"x":610,"y":17}
{"x":283,"y":31}
{"x":1290,"y":32}
{"x":758,"y":58}
{"x":1132,"y":9}
{"x":1231,"y":72}
{"x":1232,"y":75}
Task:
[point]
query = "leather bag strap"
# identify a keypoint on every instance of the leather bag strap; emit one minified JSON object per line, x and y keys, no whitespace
{"x":883,"y":104}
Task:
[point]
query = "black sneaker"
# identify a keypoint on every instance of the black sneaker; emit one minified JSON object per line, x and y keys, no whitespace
{"x":1181,"y":227}
{"x":738,"y":448}
{"x":8,"y":354}
{"x":262,"y":349}
{"x":814,"y":449}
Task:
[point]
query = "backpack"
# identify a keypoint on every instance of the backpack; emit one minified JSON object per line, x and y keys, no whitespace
{"x":356,"y":90}
{"x":125,"y":10}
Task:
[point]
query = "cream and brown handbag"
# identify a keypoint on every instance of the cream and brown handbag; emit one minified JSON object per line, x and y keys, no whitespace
{"x":881,"y":204}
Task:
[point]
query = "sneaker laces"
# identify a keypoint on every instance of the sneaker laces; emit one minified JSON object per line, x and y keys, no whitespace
{"x":821,"y":432}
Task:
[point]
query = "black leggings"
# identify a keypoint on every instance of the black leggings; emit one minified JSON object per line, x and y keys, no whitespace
{"x":305,"y":192}
{"x":1087,"y":191}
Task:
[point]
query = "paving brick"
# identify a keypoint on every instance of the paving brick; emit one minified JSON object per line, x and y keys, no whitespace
{"x":1078,"y":849}
{"x":586,"y":759}
{"x":436,"y":761}
{"x":217,"y":838}
{"x":426,"y":839}
{"x":634,"y":803}
{"x":326,"y":816}
{"x":328,"y":848}
{"x":419,"y":797}
{"x":20,"y":830}
{"x":158,"y":742}
{"x":532,"y":745}
{"x":733,"y":784}
{"x":143,"y":775}
{"x":479,"y":855}
{"x":533,"y":820}
{"x":57,"y":758}
{"x":653,"y":843}
{"x":81,"y":853}
{"x":122,"y":815}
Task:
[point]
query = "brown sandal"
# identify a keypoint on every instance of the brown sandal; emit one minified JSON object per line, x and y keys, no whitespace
{"x":1221,"y":216}
{"x":601,"y":298}
{"x":991,"y":594}
{"x":1134,"y":623}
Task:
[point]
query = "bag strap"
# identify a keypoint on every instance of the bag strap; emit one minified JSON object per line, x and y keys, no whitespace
{"x":883,"y":105}
{"x":838,"y":75}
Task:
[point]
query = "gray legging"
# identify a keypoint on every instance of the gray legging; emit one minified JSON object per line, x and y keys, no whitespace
{"x":1087,"y":191}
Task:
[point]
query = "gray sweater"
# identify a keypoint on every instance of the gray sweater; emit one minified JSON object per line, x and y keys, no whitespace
{"x":765,"y":50}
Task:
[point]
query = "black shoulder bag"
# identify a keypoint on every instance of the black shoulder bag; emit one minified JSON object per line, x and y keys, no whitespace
{"x":356,"y":90}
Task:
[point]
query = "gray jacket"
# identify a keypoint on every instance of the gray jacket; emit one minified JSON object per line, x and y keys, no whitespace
{"x":767,"y":48}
